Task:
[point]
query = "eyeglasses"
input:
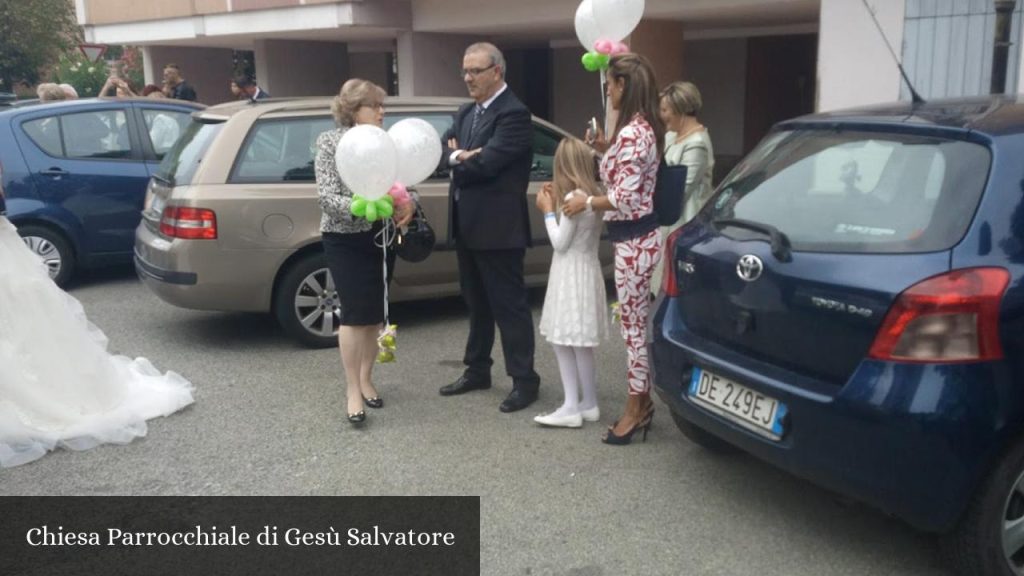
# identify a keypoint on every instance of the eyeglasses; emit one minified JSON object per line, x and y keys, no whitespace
{"x":476,"y":71}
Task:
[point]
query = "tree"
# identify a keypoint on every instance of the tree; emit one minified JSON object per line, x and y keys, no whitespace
{"x":33,"y":35}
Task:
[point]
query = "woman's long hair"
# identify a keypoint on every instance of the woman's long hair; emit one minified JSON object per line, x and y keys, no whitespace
{"x":639,"y":94}
{"x":574,"y":169}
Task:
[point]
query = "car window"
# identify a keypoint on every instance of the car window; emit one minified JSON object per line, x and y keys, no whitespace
{"x":280,"y":150}
{"x":45,"y":132}
{"x":182,"y":161}
{"x":96,"y":134}
{"x":545,"y":142}
{"x":858,"y":191}
{"x":164,"y":127}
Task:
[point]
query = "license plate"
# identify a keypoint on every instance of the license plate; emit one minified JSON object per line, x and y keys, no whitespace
{"x":735,"y":402}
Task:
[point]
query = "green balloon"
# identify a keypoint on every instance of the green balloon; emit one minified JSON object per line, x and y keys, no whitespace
{"x":371,"y":211}
{"x":388,"y":198}
{"x":590,"y":62}
{"x":602,"y":61}
{"x":358,"y":206}
{"x":384,"y":208}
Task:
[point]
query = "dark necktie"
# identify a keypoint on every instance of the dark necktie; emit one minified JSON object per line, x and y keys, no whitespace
{"x":476,"y":119}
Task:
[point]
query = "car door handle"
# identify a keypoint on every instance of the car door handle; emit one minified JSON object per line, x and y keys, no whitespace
{"x":54,"y":172}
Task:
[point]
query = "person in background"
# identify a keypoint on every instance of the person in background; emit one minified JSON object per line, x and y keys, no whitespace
{"x":69,"y":91}
{"x":50,"y":92}
{"x":629,"y":169}
{"x":351,"y":249}
{"x":489,"y":151}
{"x":236,"y":91}
{"x":688,"y":143}
{"x":248,"y":88}
{"x":163,"y":128}
{"x":175,"y":86}
{"x":116,"y":86}
{"x":575,"y":315}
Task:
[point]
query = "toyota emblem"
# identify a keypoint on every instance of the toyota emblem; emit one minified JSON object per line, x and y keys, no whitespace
{"x":749,"y":268}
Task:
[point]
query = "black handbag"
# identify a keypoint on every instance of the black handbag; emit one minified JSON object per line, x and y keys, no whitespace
{"x":416,"y":241}
{"x":669,"y":190}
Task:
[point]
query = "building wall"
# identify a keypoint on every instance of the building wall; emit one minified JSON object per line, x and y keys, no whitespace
{"x":855,"y":67}
{"x":948,"y":47}
{"x":372,"y":66}
{"x":718,"y":68}
{"x":575,"y":93}
{"x":429,"y":64}
{"x":297,"y":68}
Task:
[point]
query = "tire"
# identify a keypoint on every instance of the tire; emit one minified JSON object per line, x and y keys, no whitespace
{"x":306,"y":303}
{"x":53,"y":248}
{"x":703,"y":438}
{"x":976,"y":547}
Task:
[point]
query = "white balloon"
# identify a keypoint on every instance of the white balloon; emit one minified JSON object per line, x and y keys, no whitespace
{"x":367,"y":161}
{"x":616,"y":19}
{"x":419,"y":149}
{"x":586,"y":26}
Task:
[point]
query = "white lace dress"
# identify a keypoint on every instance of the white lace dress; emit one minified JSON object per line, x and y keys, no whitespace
{"x":575,"y":309}
{"x":58,"y":384}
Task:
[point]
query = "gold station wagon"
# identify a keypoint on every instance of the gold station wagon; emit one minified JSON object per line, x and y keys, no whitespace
{"x":231,"y":220}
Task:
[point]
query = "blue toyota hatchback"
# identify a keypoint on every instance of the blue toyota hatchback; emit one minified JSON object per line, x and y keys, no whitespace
{"x":849,"y":306}
{"x":76,"y":172}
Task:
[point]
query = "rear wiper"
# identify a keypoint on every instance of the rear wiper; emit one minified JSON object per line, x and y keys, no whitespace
{"x":780,"y":243}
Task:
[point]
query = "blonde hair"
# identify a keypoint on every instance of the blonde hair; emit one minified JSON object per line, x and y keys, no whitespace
{"x":50,"y":92}
{"x":574,"y":169}
{"x":684,"y":98}
{"x":354,"y":94}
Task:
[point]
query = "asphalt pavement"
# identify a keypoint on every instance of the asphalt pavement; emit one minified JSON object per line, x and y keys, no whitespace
{"x":269,"y":420}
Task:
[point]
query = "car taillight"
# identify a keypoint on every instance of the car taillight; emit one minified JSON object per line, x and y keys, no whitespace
{"x":188,"y":223}
{"x":945,"y":319}
{"x":668,"y":277}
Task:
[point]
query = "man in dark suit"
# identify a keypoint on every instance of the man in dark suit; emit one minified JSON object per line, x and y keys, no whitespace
{"x":488,"y":150}
{"x":250,"y":89}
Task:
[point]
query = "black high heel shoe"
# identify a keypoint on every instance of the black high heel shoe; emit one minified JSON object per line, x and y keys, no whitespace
{"x":375,"y":402}
{"x":644,"y":424}
{"x":357,"y":418}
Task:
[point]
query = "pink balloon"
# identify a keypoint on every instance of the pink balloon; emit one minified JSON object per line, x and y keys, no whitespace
{"x":604,"y":46}
{"x":400,"y":194}
{"x":619,"y":48}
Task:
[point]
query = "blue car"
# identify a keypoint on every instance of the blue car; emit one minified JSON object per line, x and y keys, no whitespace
{"x":75,"y":174}
{"x":849,"y":306}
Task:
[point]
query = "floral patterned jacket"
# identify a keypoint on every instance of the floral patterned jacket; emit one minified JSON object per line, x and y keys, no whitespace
{"x":335,"y":197}
{"x":629,"y":169}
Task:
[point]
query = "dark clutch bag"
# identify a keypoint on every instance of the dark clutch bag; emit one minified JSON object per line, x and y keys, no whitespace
{"x":416,"y":241}
{"x":669,"y":190}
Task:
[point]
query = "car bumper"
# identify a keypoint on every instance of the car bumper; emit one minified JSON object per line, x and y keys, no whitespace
{"x":912,"y":440}
{"x":196,"y":274}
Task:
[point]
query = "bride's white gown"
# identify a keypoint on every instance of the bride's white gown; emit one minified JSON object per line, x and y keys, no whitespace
{"x":58,"y":384}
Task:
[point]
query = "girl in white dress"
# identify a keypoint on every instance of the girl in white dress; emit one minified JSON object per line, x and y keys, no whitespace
{"x":58,"y":384}
{"x":575,"y":318}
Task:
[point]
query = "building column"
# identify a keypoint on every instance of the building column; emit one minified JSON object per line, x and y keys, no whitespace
{"x":208,"y":70}
{"x":429,"y":64}
{"x":661,"y":41}
{"x":300,"y":68}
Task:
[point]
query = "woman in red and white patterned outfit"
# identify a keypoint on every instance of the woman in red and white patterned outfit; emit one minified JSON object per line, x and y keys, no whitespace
{"x":629,"y":168}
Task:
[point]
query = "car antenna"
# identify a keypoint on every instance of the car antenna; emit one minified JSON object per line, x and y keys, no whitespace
{"x":914,"y":96}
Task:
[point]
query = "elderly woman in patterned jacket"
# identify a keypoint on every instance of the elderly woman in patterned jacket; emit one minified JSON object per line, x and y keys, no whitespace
{"x":628,"y":168}
{"x":352,"y":249}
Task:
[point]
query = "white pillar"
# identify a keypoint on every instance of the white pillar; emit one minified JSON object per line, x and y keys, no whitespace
{"x":855,"y":67}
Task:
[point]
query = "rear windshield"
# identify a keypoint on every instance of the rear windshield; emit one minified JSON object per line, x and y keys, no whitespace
{"x":851,"y":192}
{"x":181,"y":162}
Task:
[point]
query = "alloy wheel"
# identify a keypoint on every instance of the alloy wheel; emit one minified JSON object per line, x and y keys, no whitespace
{"x":1013,"y":527}
{"x":47,"y":252}
{"x":316,"y":303}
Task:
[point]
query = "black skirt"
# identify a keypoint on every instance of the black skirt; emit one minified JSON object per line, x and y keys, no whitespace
{"x":357,"y":266}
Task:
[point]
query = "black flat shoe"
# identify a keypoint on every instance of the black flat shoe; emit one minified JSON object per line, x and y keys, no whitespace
{"x":517,"y":400}
{"x":357,"y":418}
{"x":375,"y":402}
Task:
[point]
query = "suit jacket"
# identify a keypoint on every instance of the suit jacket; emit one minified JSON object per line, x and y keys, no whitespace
{"x":491,"y":213}
{"x":260,"y":94}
